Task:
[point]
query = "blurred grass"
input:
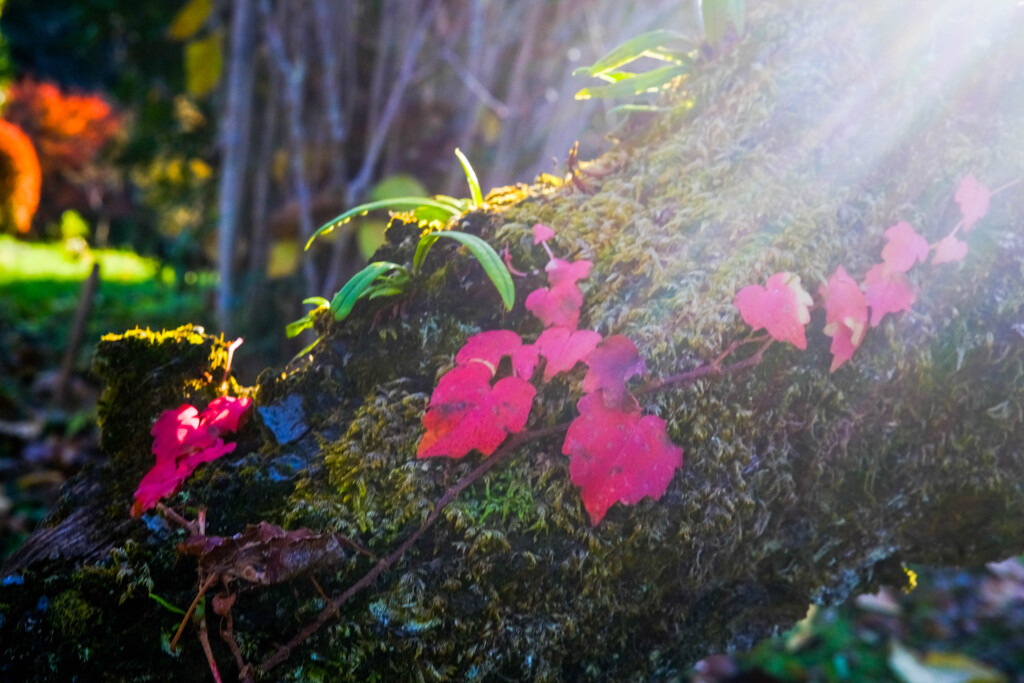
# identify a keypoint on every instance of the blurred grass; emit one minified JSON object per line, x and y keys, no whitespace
{"x":68,"y":262}
{"x":40,"y":285}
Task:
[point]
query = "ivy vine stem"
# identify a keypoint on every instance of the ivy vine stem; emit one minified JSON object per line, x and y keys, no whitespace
{"x":713,"y":368}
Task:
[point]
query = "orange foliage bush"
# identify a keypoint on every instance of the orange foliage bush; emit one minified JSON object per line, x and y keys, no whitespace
{"x":20,"y":179}
{"x":69,"y":132}
{"x":69,"y":129}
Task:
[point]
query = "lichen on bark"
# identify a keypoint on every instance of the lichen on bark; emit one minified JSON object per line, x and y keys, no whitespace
{"x":789,"y":151}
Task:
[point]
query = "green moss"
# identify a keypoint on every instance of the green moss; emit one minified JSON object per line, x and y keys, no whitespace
{"x":74,"y":617}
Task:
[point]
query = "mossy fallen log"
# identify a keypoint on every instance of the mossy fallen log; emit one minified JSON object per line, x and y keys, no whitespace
{"x":795,"y":149}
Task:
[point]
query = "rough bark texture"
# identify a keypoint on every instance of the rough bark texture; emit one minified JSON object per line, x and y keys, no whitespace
{"x":794,"y":150}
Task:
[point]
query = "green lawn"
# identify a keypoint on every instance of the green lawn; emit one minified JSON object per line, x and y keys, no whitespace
{"x":40,"y":285}
{"x":57,"y":262}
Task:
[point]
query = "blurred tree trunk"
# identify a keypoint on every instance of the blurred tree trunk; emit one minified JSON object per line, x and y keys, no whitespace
{"x":234,"y":131}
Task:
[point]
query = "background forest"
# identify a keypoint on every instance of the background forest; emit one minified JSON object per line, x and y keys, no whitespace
{"x":191,"y":148}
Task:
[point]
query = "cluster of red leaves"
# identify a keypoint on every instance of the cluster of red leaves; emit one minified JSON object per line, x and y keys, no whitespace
{"x":184,"y":438}
{"x":20,"y":177}
{"x":781,"y":307}
{"x":616,"y":454}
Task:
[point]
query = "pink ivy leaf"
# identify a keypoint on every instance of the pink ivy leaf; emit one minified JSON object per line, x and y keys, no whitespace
{"x":556,"y":307}
{"x":846,"y":316}
{"x":618,"y":456}
{"x":183,"y":439}
{"x":949,"y":250}
{"x":159,"y":482}
{"x":887,"y":292}
{"x":973,"y":198}
{"x":542,"y":233}
{"x":225,"y":413}
{"x":466,"y":413}
{"x":459,"y":391}
{"x":781,"y":307}
{"x":175,"y":430}
{"x":610,"y":365}
{"x":563,"y":348}
{"x":904,"y":248}
{"x":562,"y":272}
{"x":193,"y":459}
{"x":489,"y":348}
{"x":559,"y":304}
{"x":524,"y":360}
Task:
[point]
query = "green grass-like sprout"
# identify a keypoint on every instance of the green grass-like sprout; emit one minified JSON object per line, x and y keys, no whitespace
{"x":438,"y":207}
{"x":384,"y":278}
{"x":663,"y":45}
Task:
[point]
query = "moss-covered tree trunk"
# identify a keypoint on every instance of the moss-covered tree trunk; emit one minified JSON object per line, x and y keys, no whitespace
{"x":792,"y":150}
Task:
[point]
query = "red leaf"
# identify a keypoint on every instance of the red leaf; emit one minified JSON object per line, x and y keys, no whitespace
{"x":175,"y":430}
{"x":162,"y":480}
{"x":225,"y":413}
{"x":846,"y":316}
{"x":562,"y":272}
{"x":467,"y":413}
{"x":563,"y":348}
{"x":973,"y":198}
{"x":618,"y":456}
{"x":556,"y":307}
{"x":559,"y":305}
{"x":542,"y":233}
{"x":610,"y":365}
{"x":524,"y":360}
{"x":887,"y":292}
{"x":780,"y":307}
{"x":182,"y":440}
{"x":489,"y":348}
{"x":458,"y":392}
{"x":904,"y":248}
{"x":193,"y":459}
{"x":949,"y":250}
